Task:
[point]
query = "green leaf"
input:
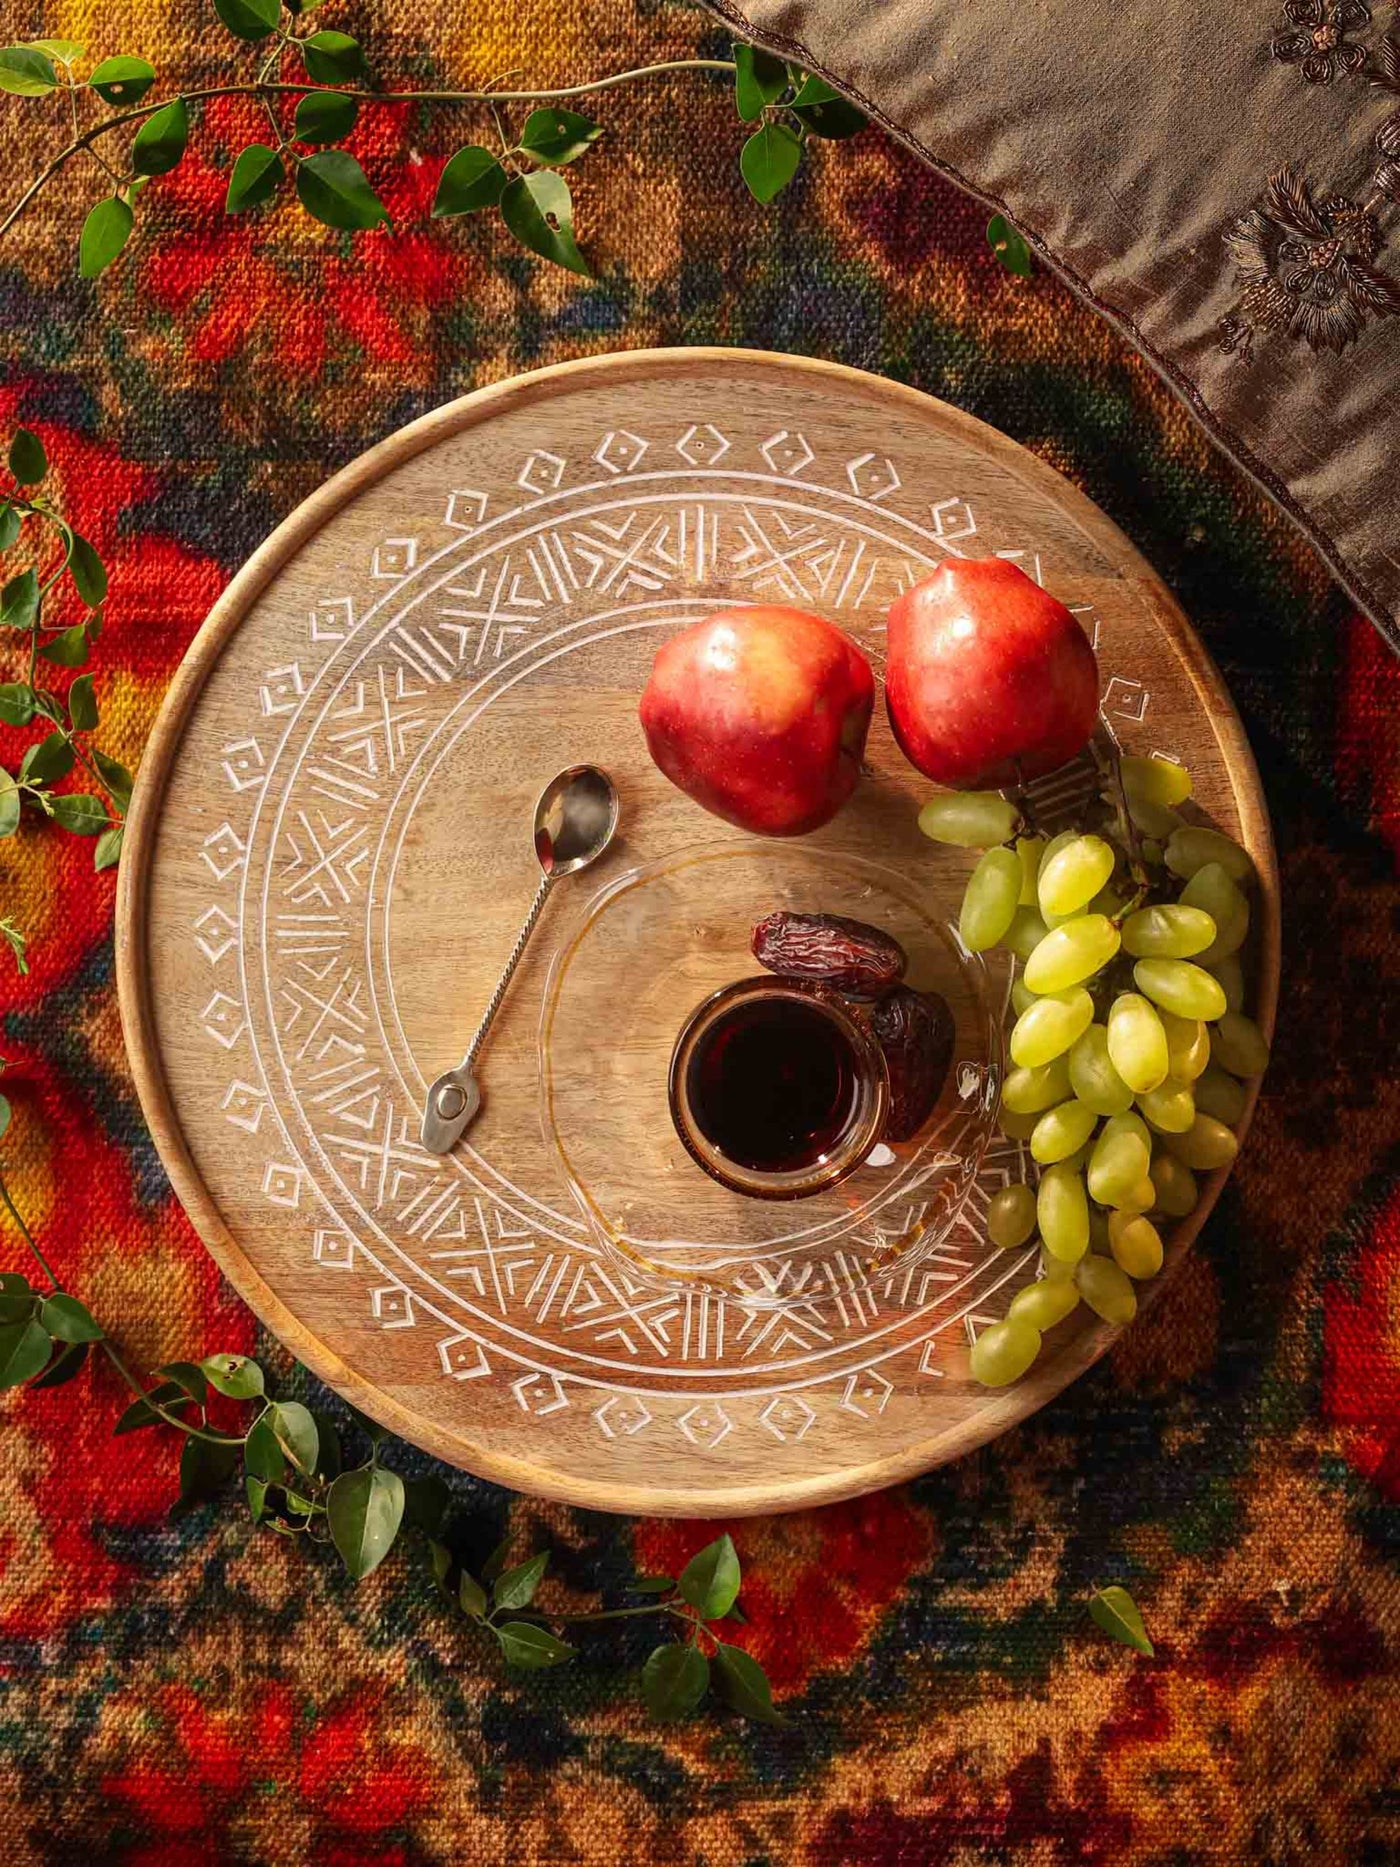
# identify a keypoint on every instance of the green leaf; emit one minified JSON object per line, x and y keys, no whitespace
{"x":12,"y":1283}
{"x":28,"y":461}
{"x":674,"y":1680}
{"x":188,"y":1376}
{"x":743,"y":1685}
{"x":324,"y":117}
{"x":205,"y":1468}
{"x":16,"y":703}
{"x":68,"y":1320}
{"x":256,"y":1490}
{"x":123,"y":80}
{"x":516,"y":1588}
{"x":425,"y":1503}
{"x":9,"y":823}
{"x":650,"y":1584}
{"x":248,"y":19}
{"x":17,"y":1300}
{"x":10,"y":522}
{"x":825,"y":112}
{"x":1114,"y":1610}
{"x":105,"y":232}
{"x":82,"y":704}
{"x":329,"y":1459}
{"x":66,"y":51}
{"x":332,"y":57}
{"x":237,"y":1376}
{"x":24,"y":1351}
{"x":471,"y":1595}
{"x":759,"y":79}
{"x":141,"y":1413}
{"x":116,"y":777}
{"x":107,"y":852}
{"x":539,"y":210}
{"x":67,"y":649}
{"x":13,"y":937}
{"x":81,"y":813}
{"x":528,"y":1647}
{"x":555,"y":137}
{"x":26,"y":73}
{"x":87,"y":571}
{"x":710,"y":1580}
{"x":161,"y":139}
{"x":19,"y":600}
{"x":1009,"y":246}
{"x":768,"y":160}
{"x":50,"y":759}
{"x":331,"y":186}
{"x":364,"y":1509}
{"x":261,"y":1453}
{"x":295,"y":1431}
{"x":472,"y":180}
{"x":68,"y":1362}
{"x":441,"y":1557}
{"x":495,"y":1563}
{"x":9,"y":1279}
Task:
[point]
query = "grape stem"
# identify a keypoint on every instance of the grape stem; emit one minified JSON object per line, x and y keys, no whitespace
{"x":1110,"y":765}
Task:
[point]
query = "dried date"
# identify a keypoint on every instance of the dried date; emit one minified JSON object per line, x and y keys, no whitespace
{"x":915,"y":1032}
{"x":847,"y":955}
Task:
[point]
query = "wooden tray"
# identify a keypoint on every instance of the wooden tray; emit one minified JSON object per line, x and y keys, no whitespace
{"x":327,"y":860}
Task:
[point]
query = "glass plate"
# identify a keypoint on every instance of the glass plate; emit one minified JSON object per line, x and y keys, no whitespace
{"x":628,"y":970}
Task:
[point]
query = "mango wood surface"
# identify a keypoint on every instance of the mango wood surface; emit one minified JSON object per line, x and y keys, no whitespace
{"x":328,"y":857}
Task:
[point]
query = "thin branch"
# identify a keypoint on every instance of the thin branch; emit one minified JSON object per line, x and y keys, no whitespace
{"x":27,"y":1235}
{"x":259,"y":89}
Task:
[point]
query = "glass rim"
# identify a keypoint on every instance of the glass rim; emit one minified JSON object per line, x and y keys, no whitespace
{"x":870,"y":1112}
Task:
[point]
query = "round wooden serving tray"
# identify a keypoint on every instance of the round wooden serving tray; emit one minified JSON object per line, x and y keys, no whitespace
{"x":329,"y":855}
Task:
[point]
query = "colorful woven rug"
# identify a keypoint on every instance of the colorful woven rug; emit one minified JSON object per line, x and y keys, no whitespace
{"x":203,"y":1693}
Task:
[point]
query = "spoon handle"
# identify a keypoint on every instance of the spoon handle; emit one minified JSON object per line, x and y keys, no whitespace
{"x":522,"y":940}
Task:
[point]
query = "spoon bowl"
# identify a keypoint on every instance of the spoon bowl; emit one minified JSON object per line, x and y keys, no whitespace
{"x":575,"y":819}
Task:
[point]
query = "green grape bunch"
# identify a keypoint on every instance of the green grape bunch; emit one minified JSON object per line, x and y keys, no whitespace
{"x":1130,"y":1051}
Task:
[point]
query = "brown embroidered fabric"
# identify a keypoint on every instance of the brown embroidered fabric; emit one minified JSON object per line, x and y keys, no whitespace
{"x":1228,"y":195}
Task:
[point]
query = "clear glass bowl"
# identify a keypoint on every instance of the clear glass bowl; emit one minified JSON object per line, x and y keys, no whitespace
{"x":630,"y":967}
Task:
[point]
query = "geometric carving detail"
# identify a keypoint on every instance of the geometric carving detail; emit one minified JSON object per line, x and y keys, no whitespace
{"x":787,"y":452}
{"x":540,"y":1393}
{"x":702,"y":446}
{"x":393,"y":1306}
{"x":282,"y":1183}
{"x":866,"y":1392}
{"x":332,"y":619}
{"x":622,"y":1413}
{"x":872,"y":476}
{"x":223,"y":1019}
{"x":952,"y":519}
{"x":396,"y":557}
{"x":463,"y":1357}
{"x":282,"y":688}
{"x":1126,"y":700}
{"x":243,"y":1105}
{"x":224,"y":850}
{"x":787,"y":1416}
{"x":243,"y":764}
{"x":620,"y":450}
{"x":215,"y":932}
{"x":542,"y":472}
{"x":465,"y":511}
{"x":336,"y":1250}
{"x":705,"y":1424}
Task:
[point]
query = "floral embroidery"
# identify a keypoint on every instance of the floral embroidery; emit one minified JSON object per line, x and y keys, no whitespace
{"x":1307,"y":270}
{"x":1319,"y":43}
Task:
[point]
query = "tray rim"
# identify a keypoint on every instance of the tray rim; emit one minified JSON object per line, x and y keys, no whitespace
{"x":132,"y":930}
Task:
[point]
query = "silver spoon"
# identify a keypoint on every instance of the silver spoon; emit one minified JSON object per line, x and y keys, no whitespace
{"x":575,"y":820}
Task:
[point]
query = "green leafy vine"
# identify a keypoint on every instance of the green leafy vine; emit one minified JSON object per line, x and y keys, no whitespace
{"x":519,"y":180}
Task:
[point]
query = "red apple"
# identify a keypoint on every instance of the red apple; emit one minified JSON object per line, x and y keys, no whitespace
{"x":760,"y":715}
{"x":989,"y":679}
